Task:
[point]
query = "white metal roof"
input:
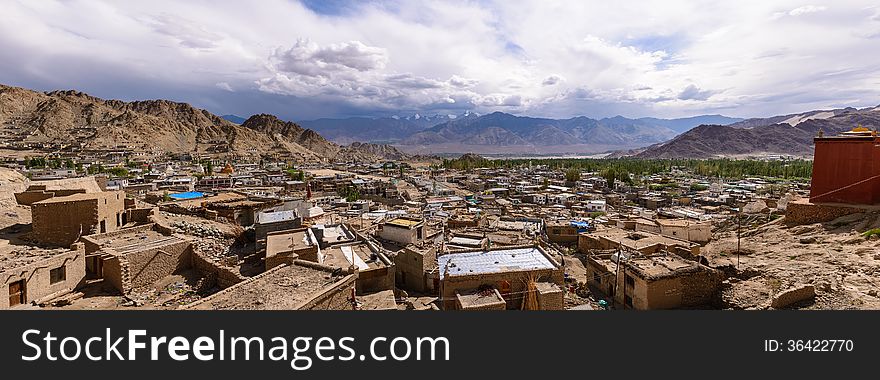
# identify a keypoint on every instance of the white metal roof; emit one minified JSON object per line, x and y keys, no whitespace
{"x":502,"y":260}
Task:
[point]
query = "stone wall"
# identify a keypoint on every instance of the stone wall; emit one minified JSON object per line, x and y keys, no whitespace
{"x":801,"y":212}
{"x":220,"y":275}
{"x":150,"y":265}
{"x":113,"y":268}
{"x":143,"y":268}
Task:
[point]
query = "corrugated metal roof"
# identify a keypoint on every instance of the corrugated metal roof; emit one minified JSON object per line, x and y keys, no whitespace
{"x":502,"y":260}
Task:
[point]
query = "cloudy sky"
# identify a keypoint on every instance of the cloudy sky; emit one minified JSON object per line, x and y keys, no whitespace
{"x":336,"y":58}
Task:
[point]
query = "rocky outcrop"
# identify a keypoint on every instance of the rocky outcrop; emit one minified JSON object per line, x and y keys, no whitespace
{"x":792,"y":296}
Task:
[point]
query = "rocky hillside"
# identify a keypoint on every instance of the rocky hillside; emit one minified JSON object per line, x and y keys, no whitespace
{"x":153,"y":125}
{"x":360,"y":151}
{"x":787,"y":134}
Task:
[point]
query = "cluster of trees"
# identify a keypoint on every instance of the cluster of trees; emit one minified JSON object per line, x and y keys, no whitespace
{"x":296,"y":175}
{"x":619,"y":169}
{"x":113,"y":170}
{"x":350,"y":194}
{"x":52,"y":163}
{"x":58,"y":163}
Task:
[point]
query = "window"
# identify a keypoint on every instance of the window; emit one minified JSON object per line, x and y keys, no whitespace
{"x":57,"y":275}
{"x":628,"y":301}
{"x":630,"y":281}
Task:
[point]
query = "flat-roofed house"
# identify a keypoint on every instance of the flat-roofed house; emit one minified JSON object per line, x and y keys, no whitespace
{"x":519,"y":274}
{"x":403,"y":231}
{"x":63,"y":220}
{"x":654,"y":282}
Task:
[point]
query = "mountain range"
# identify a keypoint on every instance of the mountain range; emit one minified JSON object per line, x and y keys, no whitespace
{"x":384,"y":129}
{"x":505,"y":133}
{"x":29,"y":117}
{"x":778,"y":135}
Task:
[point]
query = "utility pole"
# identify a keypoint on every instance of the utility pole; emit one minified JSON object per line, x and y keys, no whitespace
{"x":617,"y":273}
{"x":738,"y":230}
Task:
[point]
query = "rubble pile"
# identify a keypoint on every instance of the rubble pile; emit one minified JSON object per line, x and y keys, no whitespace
{"x":212,"y":247}
{"x":199,"y":230}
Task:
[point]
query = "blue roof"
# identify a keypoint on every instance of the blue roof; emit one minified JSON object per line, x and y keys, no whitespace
{"x":187,"y":195}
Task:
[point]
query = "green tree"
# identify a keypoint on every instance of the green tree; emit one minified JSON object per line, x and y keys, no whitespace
{"x":572,"y":175}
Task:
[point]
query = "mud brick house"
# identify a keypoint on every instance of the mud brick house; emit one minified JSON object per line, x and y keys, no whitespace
{"x":271,"y":221}
{"x":136,"y":257}
{"x":403,"y":231}
{"x":413,"y":265}
{"x":40,"y":274}
{"x":515,"y":272}
{"x":565,"y":232}
{"x":335,"y":247}
{"x":300,"y":285}
{"x":642,"y":241}
{"x":285,"y":246}
{"x":654,"y":282}
{"x":375,"y":270}
{"x":63,"y":220}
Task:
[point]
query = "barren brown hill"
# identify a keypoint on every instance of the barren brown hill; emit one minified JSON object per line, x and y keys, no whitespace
{"x":154,"y":125}
{"x":789,"y":135}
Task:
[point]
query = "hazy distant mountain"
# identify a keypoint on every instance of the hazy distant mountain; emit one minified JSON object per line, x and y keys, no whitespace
{"x":504,"y":133}
{"x":386,"y":129}
{"x":685,"y":124}
{"x":785,"y":134}
{"x":234,"y":118}
{"x":500,"y":132}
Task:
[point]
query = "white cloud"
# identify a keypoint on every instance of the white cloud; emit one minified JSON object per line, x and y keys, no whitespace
{"x":806,"y":9}
{"x":551,"y":80}
{"x":692,"y":92}
{"x":224,"y":86}
{"x":539,"y":57}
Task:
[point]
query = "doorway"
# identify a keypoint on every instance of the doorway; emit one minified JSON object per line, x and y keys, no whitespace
{"x":17,"y":293}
